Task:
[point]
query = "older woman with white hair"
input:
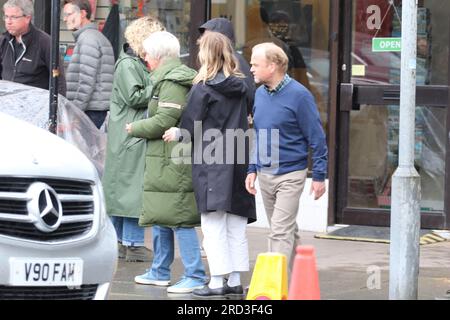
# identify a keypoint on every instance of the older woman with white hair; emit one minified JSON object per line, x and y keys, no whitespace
{"x":168,"y":201}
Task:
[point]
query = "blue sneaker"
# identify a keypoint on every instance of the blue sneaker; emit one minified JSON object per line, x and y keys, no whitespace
{"x":147,"y":278}
{"x":186,"y":285}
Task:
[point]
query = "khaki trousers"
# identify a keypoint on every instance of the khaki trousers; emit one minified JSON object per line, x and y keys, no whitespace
{"x":281,"y":196}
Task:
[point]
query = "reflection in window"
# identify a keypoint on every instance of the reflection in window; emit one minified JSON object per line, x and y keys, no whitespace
{"x":300,"y":27}
{"x":382,"y":18}
{"x":174,"y":14}
{"x":374,"y":130}
{"x":2,"y":24}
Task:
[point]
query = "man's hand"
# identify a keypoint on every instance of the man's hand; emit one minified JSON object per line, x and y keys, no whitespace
{"x":250,"y":183}
{"x":128,"y":127}
{"x":318,"y":187}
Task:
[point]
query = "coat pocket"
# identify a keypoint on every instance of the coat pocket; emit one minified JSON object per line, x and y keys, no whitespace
{"x":133,"y":141}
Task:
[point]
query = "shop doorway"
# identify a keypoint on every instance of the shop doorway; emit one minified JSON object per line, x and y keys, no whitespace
{"x":368,"y":111}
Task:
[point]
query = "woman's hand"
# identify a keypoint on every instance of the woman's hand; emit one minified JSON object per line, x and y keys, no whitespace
{"x":172,"y":134}
{"x":128,"y":128}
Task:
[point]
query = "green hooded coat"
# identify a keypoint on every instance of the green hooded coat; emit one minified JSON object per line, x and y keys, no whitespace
{"x":125,"y":155}
{"x":168,"y":193}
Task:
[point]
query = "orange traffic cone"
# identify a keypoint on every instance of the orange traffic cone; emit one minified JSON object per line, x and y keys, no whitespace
{"x":305,"y":278}
{"x":269,"y":279}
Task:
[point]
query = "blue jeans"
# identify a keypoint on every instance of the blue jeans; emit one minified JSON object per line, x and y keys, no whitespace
{"x":129,"y":233}
{"x":163,"y":247}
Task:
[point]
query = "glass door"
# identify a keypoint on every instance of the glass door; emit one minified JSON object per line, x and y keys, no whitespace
{"x":369,"y":111}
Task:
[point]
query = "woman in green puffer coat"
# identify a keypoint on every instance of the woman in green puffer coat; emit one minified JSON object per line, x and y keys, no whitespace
{"x":125,"y":155}
{"x":168,"y":201}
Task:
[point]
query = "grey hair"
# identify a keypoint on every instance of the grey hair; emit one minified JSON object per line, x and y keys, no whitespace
{"x":162,"y":45}
{"x":26,"y":6}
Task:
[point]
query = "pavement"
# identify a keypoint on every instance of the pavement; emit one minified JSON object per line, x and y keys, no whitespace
{"x":348,"y":270}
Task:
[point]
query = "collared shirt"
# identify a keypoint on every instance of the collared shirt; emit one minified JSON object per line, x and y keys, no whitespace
{"x":280,"y":86}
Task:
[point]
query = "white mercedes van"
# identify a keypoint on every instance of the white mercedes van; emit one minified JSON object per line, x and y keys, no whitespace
{"x":56,"y":241}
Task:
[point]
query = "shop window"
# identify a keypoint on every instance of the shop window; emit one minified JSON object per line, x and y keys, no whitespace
{"x":300,"y":27}
{"x":2,"y":22}
{"x":174,"y":14}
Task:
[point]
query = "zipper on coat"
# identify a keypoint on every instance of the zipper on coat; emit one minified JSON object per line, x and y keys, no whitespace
{"x":19,"y":58}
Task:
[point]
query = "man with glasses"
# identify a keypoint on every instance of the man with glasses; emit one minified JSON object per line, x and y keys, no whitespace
{"x":24,"y":49}
{"x":90,"y":73}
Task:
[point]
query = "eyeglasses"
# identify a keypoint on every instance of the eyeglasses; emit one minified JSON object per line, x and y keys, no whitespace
{"x":13,"y":18}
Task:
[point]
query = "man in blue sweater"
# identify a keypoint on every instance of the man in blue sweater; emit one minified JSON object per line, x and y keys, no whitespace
{"x":285,"y":117}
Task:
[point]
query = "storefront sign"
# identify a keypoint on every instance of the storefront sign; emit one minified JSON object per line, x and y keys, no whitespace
{"x":386,"y":44}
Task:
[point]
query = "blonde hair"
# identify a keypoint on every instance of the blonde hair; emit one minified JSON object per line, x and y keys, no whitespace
{"x":274,"y":54}
{"x":216,"y":54}
{"x":139,"y":30}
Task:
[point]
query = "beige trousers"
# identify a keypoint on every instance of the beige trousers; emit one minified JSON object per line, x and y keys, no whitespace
{"x":281,"y":196}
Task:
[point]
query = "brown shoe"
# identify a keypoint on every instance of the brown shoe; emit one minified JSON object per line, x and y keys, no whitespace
{"x":138,"y":254}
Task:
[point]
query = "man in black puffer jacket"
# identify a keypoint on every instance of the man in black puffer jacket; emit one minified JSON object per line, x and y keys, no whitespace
{"x":24,"y":49}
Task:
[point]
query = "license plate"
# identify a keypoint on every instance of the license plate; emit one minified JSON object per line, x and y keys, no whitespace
{"x":46,"y":272}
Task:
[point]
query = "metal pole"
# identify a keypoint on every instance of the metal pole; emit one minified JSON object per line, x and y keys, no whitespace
{"x":54,"y":74}
{"x":405,"y":209}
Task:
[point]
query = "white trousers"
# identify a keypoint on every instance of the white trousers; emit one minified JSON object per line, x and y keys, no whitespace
{"x":225,"y":242}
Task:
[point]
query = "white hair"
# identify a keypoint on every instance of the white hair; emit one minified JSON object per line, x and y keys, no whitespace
{"x":162,"y":45}
{"x":26,"y":6}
